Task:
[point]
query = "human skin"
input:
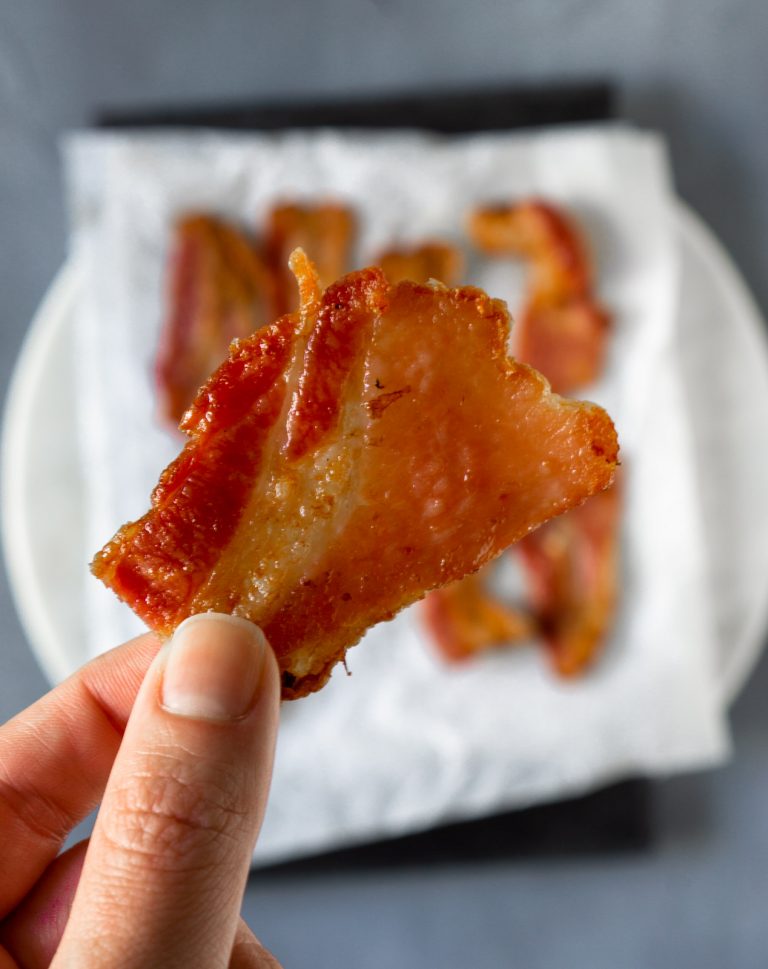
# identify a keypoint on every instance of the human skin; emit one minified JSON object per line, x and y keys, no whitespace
{"x":176,"y":746}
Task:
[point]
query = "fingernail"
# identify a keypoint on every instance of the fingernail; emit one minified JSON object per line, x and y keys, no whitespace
{"x":213,"y":668}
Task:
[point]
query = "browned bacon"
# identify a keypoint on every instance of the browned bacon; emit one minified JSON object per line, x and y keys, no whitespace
{"x":349,"y":458}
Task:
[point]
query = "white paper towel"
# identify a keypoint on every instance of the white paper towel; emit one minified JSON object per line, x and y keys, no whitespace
{"x":407,"y":742}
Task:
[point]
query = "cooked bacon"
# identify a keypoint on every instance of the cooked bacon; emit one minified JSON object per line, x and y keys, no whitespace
{"x":419,"y":264}
{"x":219,"y":291}
{"x":572,"y":569}
{"x":465,"y":619}
{"x":563,"y":329}
{"x":325,"y":232}
{"x":300,"y":506}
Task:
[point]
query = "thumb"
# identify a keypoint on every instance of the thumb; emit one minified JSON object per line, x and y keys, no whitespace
{"x":165,"y":871}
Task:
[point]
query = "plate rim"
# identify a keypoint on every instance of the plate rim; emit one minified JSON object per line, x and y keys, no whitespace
{"x":51,"y":317}
{"x":743,"y":656}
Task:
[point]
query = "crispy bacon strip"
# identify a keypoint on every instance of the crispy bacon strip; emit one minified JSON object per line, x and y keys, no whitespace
{"x":419,"y":264}
{"x":325,"y":232}
{"x":298,"y":505}
{"x":572,"y":570}
{"x":219,"y":290}
{"x":465,"y":619}
{"x":563,"y":329}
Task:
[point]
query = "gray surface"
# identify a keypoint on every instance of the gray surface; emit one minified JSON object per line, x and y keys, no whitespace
{"x":695,"y":69}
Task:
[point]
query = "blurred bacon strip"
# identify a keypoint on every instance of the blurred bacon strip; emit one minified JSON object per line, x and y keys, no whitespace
{"x":464,"y":619}
{"x":219,"y":291}
{"x":571,"y":563}
{"x":325,"y":232}
{"x":572,"y":567}
{"x":419,"y":264}
{"x":562,"y":329}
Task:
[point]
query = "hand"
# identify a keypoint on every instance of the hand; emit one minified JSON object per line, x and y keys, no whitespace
{"x":183,"y":784}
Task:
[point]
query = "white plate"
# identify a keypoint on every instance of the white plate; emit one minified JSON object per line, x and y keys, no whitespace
{"x":725,"y":365}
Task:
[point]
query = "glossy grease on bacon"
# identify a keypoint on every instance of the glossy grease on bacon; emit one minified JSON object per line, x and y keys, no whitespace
{"x":349,"y":458}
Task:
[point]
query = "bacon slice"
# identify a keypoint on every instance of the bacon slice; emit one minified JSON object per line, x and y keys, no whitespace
{"x":562,"y":330}
{"x":325,"y":232}
{"x":219,"y":290}
{"x":465,"y":619}
{"x":344,"y":461}
{"x":572,"y":570}
{"x":419,"y":264}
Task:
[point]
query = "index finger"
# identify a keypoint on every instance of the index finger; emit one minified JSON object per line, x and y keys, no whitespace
{"x":55,"y":758}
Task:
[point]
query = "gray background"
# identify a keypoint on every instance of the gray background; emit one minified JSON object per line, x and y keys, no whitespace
{"x":694,"y":69}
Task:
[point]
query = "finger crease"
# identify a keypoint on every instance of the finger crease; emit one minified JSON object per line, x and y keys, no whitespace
{"x":42,"y":817}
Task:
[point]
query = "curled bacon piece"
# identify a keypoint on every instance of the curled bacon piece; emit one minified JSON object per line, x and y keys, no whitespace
{"x":219,"y":290}
{"x":572,"y":571}
{"x":347,"y":459}
{"x":419,"y":264}
{"x":465,"y":619}
{"x":325,"y":232}
{"x":562,"y":329}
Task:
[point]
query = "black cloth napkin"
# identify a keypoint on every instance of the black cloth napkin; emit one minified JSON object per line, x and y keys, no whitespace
{"x":459,"y":112}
